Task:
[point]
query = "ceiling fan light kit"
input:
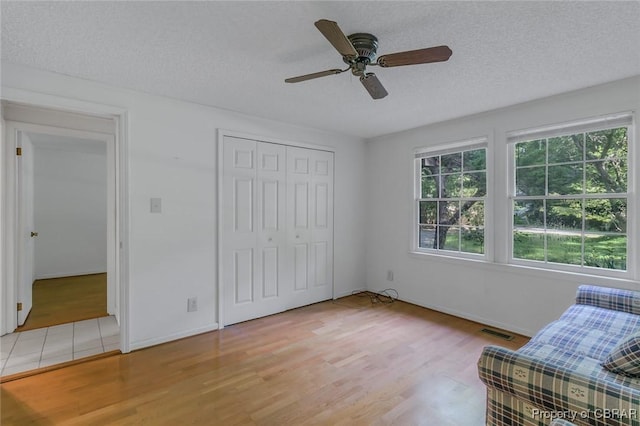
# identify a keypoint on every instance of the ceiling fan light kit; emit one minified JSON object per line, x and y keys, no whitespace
{"x":359,"y":50}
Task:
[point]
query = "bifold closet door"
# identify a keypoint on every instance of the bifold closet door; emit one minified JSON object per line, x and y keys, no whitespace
{"x":254,"y":237}
{"x":277,"y":219}
{"x":310,"y":224}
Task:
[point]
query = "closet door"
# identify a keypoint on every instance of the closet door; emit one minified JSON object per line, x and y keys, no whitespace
{"x":277,"y":228}
{"x":310,"y":224}
{"x":254,"y":238}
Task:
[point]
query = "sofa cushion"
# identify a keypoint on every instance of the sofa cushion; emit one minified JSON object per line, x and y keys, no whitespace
{"x":615,"y":322}
{"x":578,"y":339}
{"x":625,"y":357}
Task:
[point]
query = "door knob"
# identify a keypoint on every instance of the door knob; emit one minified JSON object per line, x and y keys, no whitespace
{"x":34,"y":234}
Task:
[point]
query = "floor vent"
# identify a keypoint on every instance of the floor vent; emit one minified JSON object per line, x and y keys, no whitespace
{"x":499,"y":334}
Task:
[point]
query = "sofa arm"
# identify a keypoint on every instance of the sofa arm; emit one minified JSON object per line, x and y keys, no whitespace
{"x":553,"y":388}
{"x":609,"y":298}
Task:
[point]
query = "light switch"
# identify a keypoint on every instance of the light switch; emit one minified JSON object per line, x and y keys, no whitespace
{"x":156,"y":205}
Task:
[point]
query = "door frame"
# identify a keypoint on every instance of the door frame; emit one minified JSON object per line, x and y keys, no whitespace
{"x":219,"y":226}
{"x":118,"y":171}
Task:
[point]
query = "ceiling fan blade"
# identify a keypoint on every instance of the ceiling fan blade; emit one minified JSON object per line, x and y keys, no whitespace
{"x":312,"y":76}
{"x":412,"y":57}
{"x":336,"y":37}
{"x":373,"y":86}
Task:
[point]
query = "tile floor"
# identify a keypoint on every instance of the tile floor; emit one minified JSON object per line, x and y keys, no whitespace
{"x":43,"y":347}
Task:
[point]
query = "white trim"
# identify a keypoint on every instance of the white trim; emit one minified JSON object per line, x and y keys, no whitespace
{"x":475,"y":318}
{"x":72,"y":274}
{"x":141,"y":344}
{"x":622,"y":119}
{"x":451,"y":147}
{"x":241,"y":135}
{"x":120,"y":115}
{"x":349,"y":292}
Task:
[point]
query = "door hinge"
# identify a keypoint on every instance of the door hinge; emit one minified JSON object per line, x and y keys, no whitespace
{"x":18,"y":151}
{"x":19,"y":306}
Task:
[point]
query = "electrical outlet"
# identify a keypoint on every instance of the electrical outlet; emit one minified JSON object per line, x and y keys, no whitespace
{"x":389,"y":275}
{"x":192,"y":304}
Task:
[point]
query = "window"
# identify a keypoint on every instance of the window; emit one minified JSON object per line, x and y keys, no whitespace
{"x":570,"y":195}
{"x":451,"y":187}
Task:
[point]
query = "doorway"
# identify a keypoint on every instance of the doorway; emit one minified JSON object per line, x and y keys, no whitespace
{"x":63,"y":187}
{"x":53,"y":137}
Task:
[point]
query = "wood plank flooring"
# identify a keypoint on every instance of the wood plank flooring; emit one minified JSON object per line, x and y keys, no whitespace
{"x":67,"y":299}
{"x":346,"y":362}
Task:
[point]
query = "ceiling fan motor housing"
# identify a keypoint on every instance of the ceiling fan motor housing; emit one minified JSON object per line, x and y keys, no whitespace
{"x":367,"y":46}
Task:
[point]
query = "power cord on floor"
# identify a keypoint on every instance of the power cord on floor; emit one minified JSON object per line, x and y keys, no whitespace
{"x":386,"y":296}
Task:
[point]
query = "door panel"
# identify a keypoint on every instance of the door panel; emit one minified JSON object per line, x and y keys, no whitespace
{"x":243,"y":275}
{"x":270,"y":269}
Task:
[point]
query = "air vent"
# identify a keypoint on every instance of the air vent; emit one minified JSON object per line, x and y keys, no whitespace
{"x":496,"y":333}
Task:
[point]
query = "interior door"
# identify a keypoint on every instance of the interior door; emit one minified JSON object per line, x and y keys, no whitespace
{"x":310,"y":224}
{"x":254,"y":236}
{"x":25,"y":171}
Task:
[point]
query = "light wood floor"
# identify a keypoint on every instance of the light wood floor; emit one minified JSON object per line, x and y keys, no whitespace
{"x":68,"y":299}
{"x":334,"y":363}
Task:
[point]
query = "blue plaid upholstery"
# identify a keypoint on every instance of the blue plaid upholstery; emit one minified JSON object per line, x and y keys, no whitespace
{"x":609,"y":298}
{"x":625,"y":357}
{"x":559,"y":373}
{"x":561,"y":422}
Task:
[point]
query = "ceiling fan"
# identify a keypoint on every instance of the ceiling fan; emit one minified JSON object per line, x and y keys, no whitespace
{"x":359,"y":51}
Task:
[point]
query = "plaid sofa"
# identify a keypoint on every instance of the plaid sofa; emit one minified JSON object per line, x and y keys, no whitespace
{"x":558,"y":375}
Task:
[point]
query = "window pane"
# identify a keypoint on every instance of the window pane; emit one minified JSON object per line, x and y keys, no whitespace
{"x":565,"y":179}
{"x":564,"y":248}
{"x":606,"y":177}
{"x":429,"y":212}
{"x":528,"y":244}
{"x":528,"y":214}
{"x":566,"y":149}
{"x":472,"y":213}
{"x":531,"y":153}
{"x":430,"y":185}
{"x":472,"y":240}
{"x":606,"y":215}
{"x":432,"y":164}
{"x":605,"y":251}
{"x":449,"y":212}
{"x":452,"y":186}
{"x":530,"y":181}
{"x":452,"y":163}
{"x":564,"y":215}
{"x":607,"y":144}
{"x":474,"y":184}
{"x":427,"y":236}
{"x":475,"y":160}
{"x":450,"y":236}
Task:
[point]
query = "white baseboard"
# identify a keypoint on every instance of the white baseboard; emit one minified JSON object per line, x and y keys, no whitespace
{"x":348,"y":292}
{"x":170,"y":337}
{"x":70,"y":274}
{"x":475,"y":318}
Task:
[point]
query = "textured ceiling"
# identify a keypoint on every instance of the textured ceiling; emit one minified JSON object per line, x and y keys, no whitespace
{"x":235,"y":55}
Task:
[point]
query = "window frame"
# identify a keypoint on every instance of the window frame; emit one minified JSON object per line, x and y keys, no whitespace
{"x":601,"y":123}
{"x":443,"y":149}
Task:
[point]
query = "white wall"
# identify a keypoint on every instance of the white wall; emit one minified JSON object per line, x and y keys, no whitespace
{"x":172,"y":155}
{"x":70,"y":212}
{"x":517,"y":299}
